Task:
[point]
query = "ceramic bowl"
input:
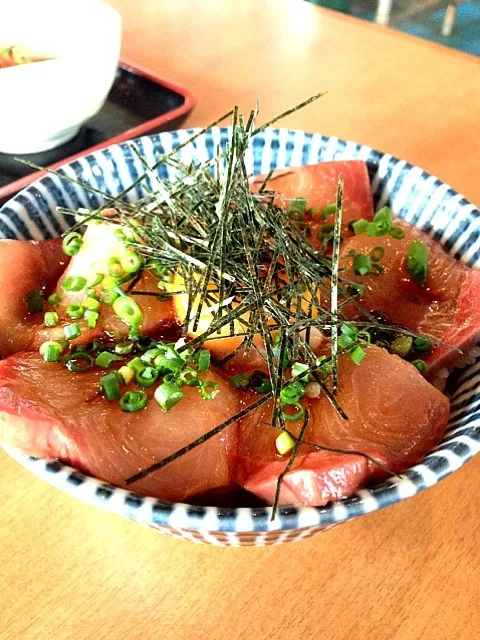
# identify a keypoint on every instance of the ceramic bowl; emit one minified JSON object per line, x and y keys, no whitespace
{"x":45,"y":103}
{"x":412,"y":193}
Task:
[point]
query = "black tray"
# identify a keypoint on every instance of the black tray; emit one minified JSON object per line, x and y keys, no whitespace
{"x":138,"y":103}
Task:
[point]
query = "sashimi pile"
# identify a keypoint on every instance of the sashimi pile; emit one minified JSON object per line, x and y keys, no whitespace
{"x":234,"y":340}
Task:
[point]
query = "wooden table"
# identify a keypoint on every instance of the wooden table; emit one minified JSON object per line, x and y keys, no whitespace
{"x":69,"y":571}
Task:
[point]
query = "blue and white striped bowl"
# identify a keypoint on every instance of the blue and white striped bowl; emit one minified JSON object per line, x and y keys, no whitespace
{"x":413,"y":194}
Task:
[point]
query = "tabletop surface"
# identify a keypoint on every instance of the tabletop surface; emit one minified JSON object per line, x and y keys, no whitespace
{"x":69,"y":571}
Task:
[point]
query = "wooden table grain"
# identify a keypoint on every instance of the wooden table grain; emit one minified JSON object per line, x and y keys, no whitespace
{"x":410,"y":572}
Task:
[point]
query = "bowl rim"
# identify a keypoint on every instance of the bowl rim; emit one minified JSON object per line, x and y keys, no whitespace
{"x":446,"y":458}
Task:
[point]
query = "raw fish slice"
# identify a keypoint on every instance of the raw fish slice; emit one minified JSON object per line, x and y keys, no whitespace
{"x":447,"y":308}
{"x":25,"y":267}
{"x":394,"y":414}
{"x":318,"y":184}
{"x":46,"y":411}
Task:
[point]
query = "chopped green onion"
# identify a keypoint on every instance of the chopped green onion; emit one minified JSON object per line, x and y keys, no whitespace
{"x":417,"y":262}
{"x":168,"y":365}
{"x":203,"y":360}
{"x":108,"y":296}
{"x":421,"y":365}
{"x":75,"y":311}
{"x":376,"y":254}
{"x":34,"y":301}
{"x":72,"y":331}
{"x":329,"y":209}
{"x":98,"y":280}
{"x":292,"y":417}
{"x":110,"y":385}
{"x":377,"y":269}
{"x":402,"y":345}
{"x":167,"y":395}
{"x":292,"y":393}
{"x":91,"y":303}
{"x":133,"y":401}
{"x":209,"y":390}
{"x":372,"y":230}
{"x":131,"y":263}
{"x":284,"y":443}
{"x":422,"y":344}
{"x":297,"y":208}
{"x":50,"y":319}
{"x":115,"y":268}
{"x":127,"y":374}
{"x":54,"y":300}
{"x":301,"y":370}
{"x":105,"y":359}
{"x":79,"y":362}
{"x":362,"y":265}
{"x":71,"y":243}
{"x":357,"y":354}
{"x":365,"y":336}
{"x":51,"y":350}
{"x":260,"y":382}
{"x":397,"y":233}
{"x":359,"y":226}
{"x":151,"y":354}
{"x":74,"y":283}
{"x":356,"y":289}
{"x":240,"y":381}
{"x":92,"y":318}
{"x":146,"y":377}
{"x":128,"y":310}
{"x":136,"y":364}
{"x":124,"y":348}
{"x":189,"y":377}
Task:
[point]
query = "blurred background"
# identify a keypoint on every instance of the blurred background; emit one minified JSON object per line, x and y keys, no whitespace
{"x":452,"y":23}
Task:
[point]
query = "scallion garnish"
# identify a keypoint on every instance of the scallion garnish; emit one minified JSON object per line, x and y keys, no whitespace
{"x":423,"y":345}
{"x":133,"y":401}
{"x":79,"y":362}
{"x":127,"y":374}
{"x":91,"y":303}
{"x":115,"y":268}
{"x":54,"y":300}
{"x":131,"y":263}
{"x":292,"y":393}
{"x":292,"y":417}
{"x":297,"y":208}
{"x":136,"y":364}
{"x":359,"y":226}
{"x":209,"y":389}
{"x":146,"y":377}
{"x":357,"y":354}
{"x":110,"y":385}
{"x":260,"y":382}
{"x":128,"y":311}
{"x":203,"y":360}
{"x":421,"y":365}
{"x":240,"y":381}
{"x":123,"y":348}
{"x":376,"y":254}
{"x":417,"y":262}
{"x":34,"y":301}
{"x":167,"y":395}
{"x":91,"y":318}
{"x":402,"y":345}
{"x":75,"y":311}
{"x":98,"y":280}
{"x":51,"y":351}
{"x":362,"y":265}
{"x":74,"y":283}
{"x":71,"y":243}
{"x":72,"y":331}
{"x":105,"y":359}
{"x":50,"y":319}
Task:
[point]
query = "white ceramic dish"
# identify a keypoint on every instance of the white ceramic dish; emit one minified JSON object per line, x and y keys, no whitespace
{"x":43,"y":104}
